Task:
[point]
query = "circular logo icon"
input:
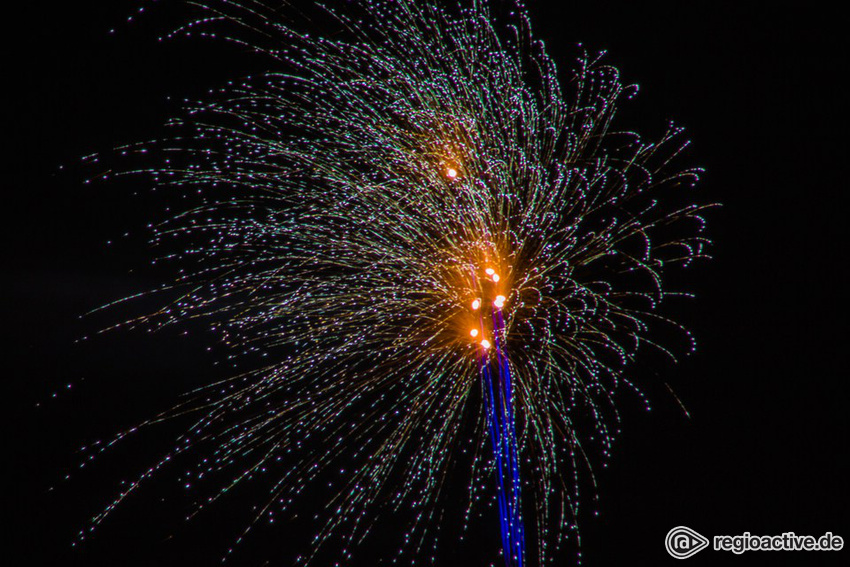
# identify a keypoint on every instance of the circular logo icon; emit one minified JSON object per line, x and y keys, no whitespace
{"x":683,"y":542}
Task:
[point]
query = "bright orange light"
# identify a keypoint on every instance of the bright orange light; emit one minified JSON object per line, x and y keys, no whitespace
{"x":451,"y":173}
{"x":485,"y":343}
{"x":496,"y":277}
{"x":489,"y":271}
{"x":476,"y":303}
{"x":500,"y":301}
{"x":474,"y":332}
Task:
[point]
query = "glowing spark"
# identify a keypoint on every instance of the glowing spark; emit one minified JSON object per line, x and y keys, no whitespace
{"x":500,"y":301}
{"x":485,"y":343}
{"x":476,"y":303}
{"x":474,"y":332}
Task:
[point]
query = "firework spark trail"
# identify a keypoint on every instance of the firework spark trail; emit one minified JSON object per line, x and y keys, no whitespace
{"x":510,"y":448}
{"x":395,"y":219}
{"x":503,"y":433}
{"x":502,"y":426}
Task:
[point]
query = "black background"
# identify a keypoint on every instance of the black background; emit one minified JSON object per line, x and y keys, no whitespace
{"x":765,"y":447}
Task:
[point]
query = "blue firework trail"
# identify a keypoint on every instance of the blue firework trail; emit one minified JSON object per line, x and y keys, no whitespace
{"x":503,"y":434}
{"x":396,"y":217}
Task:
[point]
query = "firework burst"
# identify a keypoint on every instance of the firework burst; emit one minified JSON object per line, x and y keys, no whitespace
{"x":428,"y":242}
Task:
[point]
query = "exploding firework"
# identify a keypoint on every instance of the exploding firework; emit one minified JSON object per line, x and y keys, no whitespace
{"x":434,"y":249}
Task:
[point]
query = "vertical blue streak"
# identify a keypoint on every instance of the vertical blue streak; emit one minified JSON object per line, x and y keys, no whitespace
{"x":502,"y":426}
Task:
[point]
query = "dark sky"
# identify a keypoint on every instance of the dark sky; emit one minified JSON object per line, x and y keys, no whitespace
{"x":765,"y":447}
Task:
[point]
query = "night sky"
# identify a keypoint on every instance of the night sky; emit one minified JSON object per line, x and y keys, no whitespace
{"x":764,"y":449}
